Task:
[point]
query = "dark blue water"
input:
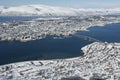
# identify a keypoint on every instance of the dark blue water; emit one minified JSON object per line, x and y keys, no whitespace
{"x":108,"y":33}
{"x":49,"y":48}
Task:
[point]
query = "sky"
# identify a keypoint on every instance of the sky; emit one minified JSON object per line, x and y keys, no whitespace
{"x":65,"y":3}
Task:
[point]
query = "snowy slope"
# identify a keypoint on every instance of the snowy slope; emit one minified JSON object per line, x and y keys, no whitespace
{"x":44,"y":10}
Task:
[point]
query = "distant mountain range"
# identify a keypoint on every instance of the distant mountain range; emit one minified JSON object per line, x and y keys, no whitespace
{"x":43,"y":10}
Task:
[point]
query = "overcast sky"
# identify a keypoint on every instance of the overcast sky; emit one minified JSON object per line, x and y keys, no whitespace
{"x":66,"y":3}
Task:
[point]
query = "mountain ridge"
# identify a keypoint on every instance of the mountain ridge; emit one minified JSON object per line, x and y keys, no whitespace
{"x":44,"y":10}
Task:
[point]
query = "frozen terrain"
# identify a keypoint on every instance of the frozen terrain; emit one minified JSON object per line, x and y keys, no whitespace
{"x":100,"y":61}
{"x":40,"y":28}
{"x":43,"y":10}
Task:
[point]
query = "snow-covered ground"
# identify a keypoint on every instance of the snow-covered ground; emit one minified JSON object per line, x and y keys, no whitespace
{"x":100,"y":61}
{"x":40,"y":28}
{"x":44,"y":10}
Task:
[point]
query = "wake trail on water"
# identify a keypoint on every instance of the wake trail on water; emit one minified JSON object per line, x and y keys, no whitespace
{"x":87,"y":38}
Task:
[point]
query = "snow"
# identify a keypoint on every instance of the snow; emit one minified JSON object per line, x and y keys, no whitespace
{"x":97,"y":63}
{"x":44,"y":10}
{"x":100,"y":59}
{"x":41,"y":27}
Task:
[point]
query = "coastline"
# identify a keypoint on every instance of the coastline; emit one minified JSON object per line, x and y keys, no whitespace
{"x":100,"y":60}
{"x":38,"y":29}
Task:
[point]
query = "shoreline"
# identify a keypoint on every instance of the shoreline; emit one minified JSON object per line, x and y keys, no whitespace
{"x":100,"y":59}
{"x":24,"y":31}
{"x":97,"y":57}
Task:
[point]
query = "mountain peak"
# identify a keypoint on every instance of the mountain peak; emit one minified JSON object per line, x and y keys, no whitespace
{"x":44,"y":10}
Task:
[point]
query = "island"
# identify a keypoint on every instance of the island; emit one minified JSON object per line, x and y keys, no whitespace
{"x":101,"y":60}
{"x":40,"y":28}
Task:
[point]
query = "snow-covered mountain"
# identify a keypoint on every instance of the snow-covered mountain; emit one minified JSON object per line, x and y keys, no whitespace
{"x":44,"y":10}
